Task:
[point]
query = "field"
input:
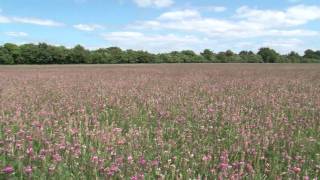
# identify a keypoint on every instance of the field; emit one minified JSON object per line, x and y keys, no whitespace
{"x":169,"y":121}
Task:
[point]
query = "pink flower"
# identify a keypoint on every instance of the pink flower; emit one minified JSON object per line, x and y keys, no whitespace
{"x":249,"y":169}
{"x":210,"y":110}
{"x":28,"y":170}
{"x":142,"y":161}
{"x":117,"y":130}
{"x":155,"y":163}
{"x":112,"y":170}
{"x":95,"y":159}
{"x":206,"y":158}
{"x":121,"y":142}
{"x":8,"y":170}
{"x":57,"y":157}
{"x":296,"y":170}
{"x":30,"y":151}
{"x":306,"y":178}
{"x":223,"y":166}
{"x":137,"y":177}
{"x":130,"y":159}
{"x":134,"y":178}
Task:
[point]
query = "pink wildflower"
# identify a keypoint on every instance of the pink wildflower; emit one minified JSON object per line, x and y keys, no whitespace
{"x":8,"y":170}
{"x":28,"y":170}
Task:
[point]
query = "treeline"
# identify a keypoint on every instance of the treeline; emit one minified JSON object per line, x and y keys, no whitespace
{"x":43,"y":53}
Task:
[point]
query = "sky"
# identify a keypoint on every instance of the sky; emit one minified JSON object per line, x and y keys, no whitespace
{"x":164,"y":25}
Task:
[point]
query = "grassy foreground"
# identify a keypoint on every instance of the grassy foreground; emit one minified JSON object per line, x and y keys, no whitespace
{"x":177,"y":121}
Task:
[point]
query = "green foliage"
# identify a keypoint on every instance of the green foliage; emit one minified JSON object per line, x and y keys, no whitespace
{"x":43,"y":53}
{"x":269,"y":55}
{"x":5,"y":56}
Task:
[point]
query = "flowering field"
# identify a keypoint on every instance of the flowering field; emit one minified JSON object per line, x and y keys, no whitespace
{"x":214,"y":121}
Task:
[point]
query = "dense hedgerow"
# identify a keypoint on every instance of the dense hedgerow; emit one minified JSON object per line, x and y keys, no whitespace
{"x":43,"y":53}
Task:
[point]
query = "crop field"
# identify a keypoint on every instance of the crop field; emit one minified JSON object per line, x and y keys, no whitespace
{"x":168,"y":121}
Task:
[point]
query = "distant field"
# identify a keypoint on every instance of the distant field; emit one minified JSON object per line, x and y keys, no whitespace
{"x":168,"y":121}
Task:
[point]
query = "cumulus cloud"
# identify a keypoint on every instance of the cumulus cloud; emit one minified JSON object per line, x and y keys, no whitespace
{"x":285,"y":45}
{"x":293,"y":16}
{"x":179,"y":15}
{"x":87,"y":27}
{"x":154,"y":3}
{"x":247,"y":28}
{"x":154,"y":43}
{"x":16,"y":34}
{"x":247,"y":22}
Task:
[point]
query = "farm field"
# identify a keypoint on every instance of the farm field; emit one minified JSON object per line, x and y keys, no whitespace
{"x":168,"y":121}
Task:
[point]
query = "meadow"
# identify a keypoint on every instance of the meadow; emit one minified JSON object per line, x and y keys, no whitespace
{"x":168,"y":121}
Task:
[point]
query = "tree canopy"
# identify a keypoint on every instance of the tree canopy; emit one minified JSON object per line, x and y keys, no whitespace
{"x":43,"y":53}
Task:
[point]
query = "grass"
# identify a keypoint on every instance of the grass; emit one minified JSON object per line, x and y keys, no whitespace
{"x":168,"y":121}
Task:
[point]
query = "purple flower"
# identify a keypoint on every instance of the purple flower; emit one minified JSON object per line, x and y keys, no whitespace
{"x":8,"y":170}
{"x":142,"y":161}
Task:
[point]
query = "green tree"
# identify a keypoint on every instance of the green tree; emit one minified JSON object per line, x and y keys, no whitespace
{"x":79,"y":55}
{"x":14,"y":51}
{"x":293,"y":57}
{"x":28,"y":54}
{"x":269,"y":55}
{"x":5,"y":56}
{"x":250,"y":57}
{"x":208,"y":55}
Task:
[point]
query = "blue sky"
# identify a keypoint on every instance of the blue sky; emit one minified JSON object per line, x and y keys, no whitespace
{"x":164,"y":25}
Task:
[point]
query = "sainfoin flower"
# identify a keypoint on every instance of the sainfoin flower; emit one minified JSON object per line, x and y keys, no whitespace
{"x":206,"y":158}
{"x":57,"y":157}
{"x":8,"y":170}
{"x":130,"y":159}
{"x":28,"y":170}
{"x":296,"y":170}
{"x":142,"y":161}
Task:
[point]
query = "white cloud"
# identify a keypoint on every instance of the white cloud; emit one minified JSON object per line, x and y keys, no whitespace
{"x":16,"y":34}
{"x":29,"y":20}
{"x":36,"y":21}
{"x":285,"y":45}
{"x":179,"y":15}
{"x":153,"y":43}
{"x":88,"y":27}
{"x":248,"y":28}
{"x":215,"y":8}
{"x":293,"y":16}
{"x":154,"y":3}
{"x":247,"y":22}
{"x":4,"y":19}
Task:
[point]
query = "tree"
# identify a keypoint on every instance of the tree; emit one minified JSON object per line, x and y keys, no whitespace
{"x":5,"y":56}
{"x":116,"y":55}
{"x":28,"y":54}
{"x":79,"y":55}
{"x":222,"y":57}
{"x":188,"y":56}
{"x":269,"y":55}
{"x":293,"y":57}
{"x":13,"y":50}
{"x":208,"y":55}
{"x":311,"y":54}
{"x":250,"y":57}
